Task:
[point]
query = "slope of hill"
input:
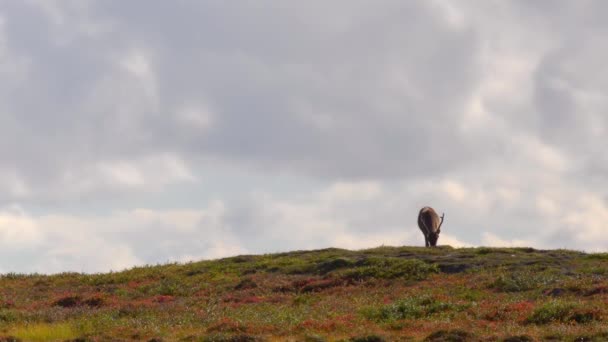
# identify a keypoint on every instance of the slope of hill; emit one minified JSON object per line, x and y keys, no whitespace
{"x":380,"y":294}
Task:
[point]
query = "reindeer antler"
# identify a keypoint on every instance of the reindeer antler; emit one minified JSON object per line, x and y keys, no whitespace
{"x":440,"y":223}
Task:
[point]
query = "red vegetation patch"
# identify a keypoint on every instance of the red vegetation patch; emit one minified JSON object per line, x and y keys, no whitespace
{"x":515,"y":311}
{"x":227,"y":325}
{"x":598,"y":290}
{"x":246,"y":284}
{"x":309,"y":285}
{"x":344,"y":322}
{"x":6,"y":304}
{"x":520,"y":306}
{"x":162,"y":299}
{"x":242,"y":299}
{"x":321,"y":285}
{"x":237,"y":299}
{"x":153,"y":301}
{"x":135,"y":284}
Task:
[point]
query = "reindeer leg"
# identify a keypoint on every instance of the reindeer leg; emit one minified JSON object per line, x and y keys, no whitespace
{"x":426,"y":241}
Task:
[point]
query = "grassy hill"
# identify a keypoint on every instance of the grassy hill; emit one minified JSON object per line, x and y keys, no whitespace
{"x":380,"y":294}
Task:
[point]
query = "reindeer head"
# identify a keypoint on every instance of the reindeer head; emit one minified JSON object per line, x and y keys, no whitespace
{"x":434,"y":236}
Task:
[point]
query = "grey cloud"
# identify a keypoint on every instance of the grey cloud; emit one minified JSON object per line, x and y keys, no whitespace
{"x":571,"y":101}
{"x":287,"y":88}
{"x":493,"y":112}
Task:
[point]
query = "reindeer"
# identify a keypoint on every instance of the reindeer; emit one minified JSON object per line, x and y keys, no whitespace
{"x":428,"y":222}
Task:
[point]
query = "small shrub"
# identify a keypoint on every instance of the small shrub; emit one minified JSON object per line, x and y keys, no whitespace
{"x":589,"y":338}
{"x":246,"y":284}
{"x":585,"y":317}
{"x":284,"y":265}
{"x":303,"y":299}
{"x":521,"y":281}
{"x":74,"y":301}
{"x":68,"y":301}
{"x":597,"y":290}
{"x":551,"y":312}
{"x":554,"y":292}
{"x":314,"y":338}
{"x":369,"y":338}
{"x":227,"y":325}
{"x":451,"y":268}
{"x":8,"y":316}
{"x":554,"y":337}
{"x":595,"y":270}
{"x":521,"y":338}
{"x":165,"y":287}
{"x":320,"y":285}
{"x":562,"y":312}
{"x":390,"y":268}
{"x":334,"y":264}
{"x":9,"y":339}
{"x":227,"y":338}
{"x":524,"y":249}
{"x":483,"y":250}
{"x":94,"y":302}
{"x":597,"y":256}
{"x":162,"y":299}
{"x":13,"y":276}
{"x":309,"y":285}
{"x":455,"y":335}
{"x":601,"y":337}
{"x":410,"y":308}
{"x":6,"y":304}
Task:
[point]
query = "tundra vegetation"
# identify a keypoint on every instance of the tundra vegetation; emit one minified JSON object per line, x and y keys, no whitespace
{"x":379,"y":294}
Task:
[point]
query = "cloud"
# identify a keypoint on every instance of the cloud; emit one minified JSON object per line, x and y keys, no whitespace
{"x":352,"y":215}
{"x":18,"y":228}
{"x":249,"y":93}
{"x":492,"y":240}
{"x":121,"y":239}
{"x":296,"y":126}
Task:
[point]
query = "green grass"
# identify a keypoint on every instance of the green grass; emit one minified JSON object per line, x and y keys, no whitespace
{"x":563,"y":312}
{"x":412,"y":308}
{"x":389,"y":268}
{"x":524,"y":280}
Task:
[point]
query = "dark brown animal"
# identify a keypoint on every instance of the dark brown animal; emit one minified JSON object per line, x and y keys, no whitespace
{"x":429,"y":224}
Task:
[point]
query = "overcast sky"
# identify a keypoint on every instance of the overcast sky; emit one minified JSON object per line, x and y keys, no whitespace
{"x":151,"y":131}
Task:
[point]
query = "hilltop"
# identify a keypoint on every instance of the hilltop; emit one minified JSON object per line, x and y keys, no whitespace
{"x":379,"y":294}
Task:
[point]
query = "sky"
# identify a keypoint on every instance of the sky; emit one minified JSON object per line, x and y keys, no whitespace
{"x":150,"y":131}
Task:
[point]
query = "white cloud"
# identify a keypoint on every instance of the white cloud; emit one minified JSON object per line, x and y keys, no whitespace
{"x":451,"y":240}
{"x":196,"y":116}
{"x":455,"y":190}
{"x":363,"y":191}
{"x":327,"y":217}
{"x":151,"y":172}
{"x":17,"y":229}
{"x":586,"y":219}
{"x":338,"y":121}
{"x":115,"y":241}
{"x":491,"y":240}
